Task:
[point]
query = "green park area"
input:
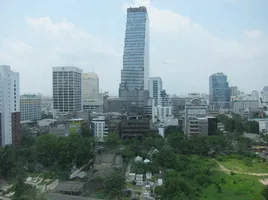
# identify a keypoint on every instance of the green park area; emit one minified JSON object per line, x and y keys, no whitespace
{"x":237,"y":186}
{"x":244,"y":164}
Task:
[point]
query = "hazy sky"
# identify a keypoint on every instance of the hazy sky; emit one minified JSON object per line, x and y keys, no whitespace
{"x":189,"y":40}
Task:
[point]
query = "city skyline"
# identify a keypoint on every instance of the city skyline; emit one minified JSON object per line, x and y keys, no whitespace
{"x":185,"y":45}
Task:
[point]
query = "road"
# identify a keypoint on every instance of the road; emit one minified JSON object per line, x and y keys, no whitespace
{"x":224,"y":169}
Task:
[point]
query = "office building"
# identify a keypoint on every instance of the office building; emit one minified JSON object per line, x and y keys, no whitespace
{"x":99,"y":128}
{"x":155,"y":88}
{"x":30,"y":107}
{"x":133,"y":89}
{"x":234,"y":91}
{"x":9,"y":106}
{"x":92,"y":99}
{"x":47,"y":105}
{"x":194,"y":110}
{"x":134,"y":127}
{"x":67,"y":90}
{"x":219,"y":92}
{"x":241,"y":105}
{"x":163,"y":112}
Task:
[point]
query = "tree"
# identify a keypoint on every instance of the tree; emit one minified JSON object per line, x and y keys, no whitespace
{"x":46,"y":146}
{"x":112,"y":141}
{"x":264,"y":193}
{"x":114,"y":185}
{"x":165,"y":158}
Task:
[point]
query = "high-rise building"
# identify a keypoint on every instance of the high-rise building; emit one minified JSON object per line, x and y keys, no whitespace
{"x":219,"y":92}
{"x":30,"y":107}
{"x":67,"y":89}
{"x":9,"y":106}
{"x":234,"y":91}
{"x":134,"y":87}
{"x":92,"y":99}
{"x":155,"y":88}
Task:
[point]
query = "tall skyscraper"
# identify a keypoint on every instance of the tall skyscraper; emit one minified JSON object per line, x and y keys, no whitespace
{"x":91,"y":98}
{"x":219,"y":92}
{"x":67,"y":89}
{"x":9,"y":106}
{"x":155,"y":88}
{"x":135,"y":73}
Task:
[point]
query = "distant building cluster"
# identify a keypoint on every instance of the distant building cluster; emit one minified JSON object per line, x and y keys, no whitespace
{"x":142,"y":105}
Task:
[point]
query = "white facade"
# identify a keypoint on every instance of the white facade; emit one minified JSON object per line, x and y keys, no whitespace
{"x":242,"y":105}
{"x":193,"y":110}
{"x":163,"y":112}
{"x":30,"y":107}
{"x":99,"y":128}
{"x":46,"y":104}
{"x":9,"y":105}
{"x":92,"y":99}
{"x":155,"y":88}
{"x":67,"y":89}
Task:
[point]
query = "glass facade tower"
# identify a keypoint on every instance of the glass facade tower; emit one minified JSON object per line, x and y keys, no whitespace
{"x":219,"y":92}
{"x":135,"y":72}
{"x":134,"y":84}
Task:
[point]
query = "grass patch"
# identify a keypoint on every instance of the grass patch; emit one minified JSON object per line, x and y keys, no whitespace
{"x":254,"y":165}
{"x":238,"y":187}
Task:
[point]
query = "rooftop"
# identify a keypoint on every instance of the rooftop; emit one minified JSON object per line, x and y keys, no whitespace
{"x":69,"y":186}
{"x":90,"y":75}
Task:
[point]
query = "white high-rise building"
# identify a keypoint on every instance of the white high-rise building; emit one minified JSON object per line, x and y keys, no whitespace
{"x":67,"y":90}
{"x":9,"y":106}
{"x":92,"y":99}
{"x":155,"y":88}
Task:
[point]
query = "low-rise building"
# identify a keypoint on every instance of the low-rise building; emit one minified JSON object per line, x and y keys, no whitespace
{"x":240,"y":106}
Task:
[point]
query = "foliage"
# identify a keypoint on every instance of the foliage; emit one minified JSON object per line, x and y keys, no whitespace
{"x":264,"y":193}
{"x":173,"y":129}
{"x":112,"y":141}
{"x":242,"y":163}
{"x":114,"y":185}
{"x":238,"y":187}
{"x":237,"y":124}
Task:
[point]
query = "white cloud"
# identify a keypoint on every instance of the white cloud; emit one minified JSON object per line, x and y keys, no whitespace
{"x":59,"y":43}
{"x":183,"y":53}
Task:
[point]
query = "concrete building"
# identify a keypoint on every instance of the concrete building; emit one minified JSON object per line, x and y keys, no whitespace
{"x":92,"y":99}
{"x":9,"y":106}
{"x":150,"y":111}
{"x":134,"y":127}
{"x":165,"y":99}
{"x":47,"y":104}
{"x":163,"y":112}
{"x":219,"y":92}
{"x":178,"y":104}
{"x":99,"y":128}
{"x":134,"y":87}
{"x":67,"y":89}
{"x":193,"y":110}
{"x":239,"y":106}
{"x":30,"y":107}
{"x":112,"y":104}
{"x":155,"y":88}
{"x":234,"y":91}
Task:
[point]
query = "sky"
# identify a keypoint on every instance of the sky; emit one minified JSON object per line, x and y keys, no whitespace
{"x":189,"y":40}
